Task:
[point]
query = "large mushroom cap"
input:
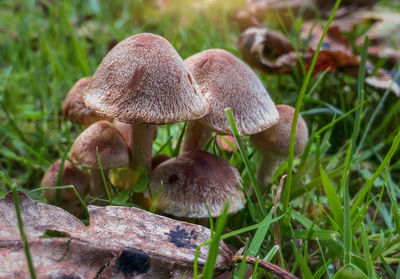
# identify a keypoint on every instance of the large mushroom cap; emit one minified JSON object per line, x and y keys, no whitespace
{"x":143,"y":79}
{"x":113,"y":150}
{"x":73,"y":108}
{"x":275,"y":141}
{"x":225,"y":81}
{"x":194,"y":179}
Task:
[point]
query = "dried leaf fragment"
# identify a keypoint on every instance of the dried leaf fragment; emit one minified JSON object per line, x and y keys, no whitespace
{"x":120,"y":242}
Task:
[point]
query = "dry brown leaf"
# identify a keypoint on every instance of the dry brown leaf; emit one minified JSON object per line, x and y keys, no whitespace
{"x":278,"y":11}
{"x":271,"y":52}
{"x":120,"y":242}
{"x":384,"y":36}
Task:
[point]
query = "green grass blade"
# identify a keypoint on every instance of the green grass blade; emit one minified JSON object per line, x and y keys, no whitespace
{"x":20,"y":225}
{"x":103,"y":177}
{"x":240,"y":271}
{"x":228,"y":235}
{"x":347,"y":232}
{"x":368,"y":260}
{"x":360,"y":93}
{"x":377,"y":110}
{"x":287,"y":189}
{"x":243,"y":153}
{"x":260,"y":234}
{"x":385,"y":162}
{"x":302,"y":262}
{"x":333,"y":199}
{"x":209,"y":267}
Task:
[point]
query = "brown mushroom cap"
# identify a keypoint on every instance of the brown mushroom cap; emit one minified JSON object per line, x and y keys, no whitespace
{"x":194,"y":179}
{"x":125,"y":129}
{"x":157,"y":160}
{"x":113,"y":150}
{"x":72,"y":175}
{"x":225,"y":81}
{"x":73,"y":108}
{"x":143,"y":79}
{"x":275,"y":141}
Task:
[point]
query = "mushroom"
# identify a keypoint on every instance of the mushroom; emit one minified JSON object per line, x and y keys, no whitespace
{"x":194,"y":180}
{"x":156,"y":160}
{"x":71,"y":175}
{"x":113,"y":153}
{"x":226,"y":143}
{"x":225,"y":81}
{"x":143,"y":81}
{"x":125,"y":129}
{"x":73,"y":108}
{"x":274,"y":142}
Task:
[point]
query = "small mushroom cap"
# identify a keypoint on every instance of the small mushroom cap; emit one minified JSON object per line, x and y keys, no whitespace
{"x":226,"y":143}
{"x":125,"y":129}
{"x":73,"y":108}
{"x":194,"y":179}
{"x":225,"y":81}
{"x":71,"y":175}
{"x":157,"y":160}
{"x":275,"y":141}
{"x":113,"y":150}
{"x":143,"y":79}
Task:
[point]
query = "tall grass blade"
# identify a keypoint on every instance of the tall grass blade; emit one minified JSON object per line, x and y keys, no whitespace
{"x":378,"y":109}
{"x":368,"y":260}
{"x":209,"y":267}
{"x":103,"y":177}
{"x":333,"y":199}
{"x":20,"y":225}
{"x":385,"y":162}
{"x":243,"y":153}
{"x":287,"y":189}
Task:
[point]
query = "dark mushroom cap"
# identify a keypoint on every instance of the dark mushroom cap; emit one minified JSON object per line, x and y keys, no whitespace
{"x":143,"y":79}
{"x":157,"y":160}
{"x":73,"y":108}
{"x":194,"y":179}
{"x":275,"y":141}
{"x":225,"y":81}
{"x":72,"y":175}
{"x":113,"y":150}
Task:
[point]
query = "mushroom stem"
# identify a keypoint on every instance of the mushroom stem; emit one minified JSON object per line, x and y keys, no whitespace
{"x":142,"y":144}
{"x":97,"y":189}
{"x":266,"y":170}
{"x":196,"y":138}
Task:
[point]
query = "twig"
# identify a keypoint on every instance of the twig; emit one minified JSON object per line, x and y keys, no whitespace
{"x":278,"y":271}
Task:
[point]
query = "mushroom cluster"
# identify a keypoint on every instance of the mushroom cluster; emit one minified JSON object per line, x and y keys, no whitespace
{"x":142,"y":83}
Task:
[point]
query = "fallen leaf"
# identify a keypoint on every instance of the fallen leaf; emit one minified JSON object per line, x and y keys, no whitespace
{"x":283,"y":12}
{"x":384,"y":80}
{"x":384,"y":36}
{"x":120,"y":242}
{"x":271,"y":52}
